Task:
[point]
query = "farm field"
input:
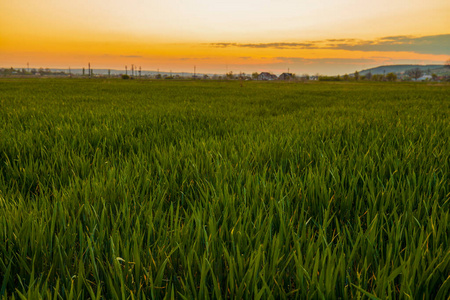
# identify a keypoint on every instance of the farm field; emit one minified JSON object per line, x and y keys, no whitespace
{"x":129,"y":189}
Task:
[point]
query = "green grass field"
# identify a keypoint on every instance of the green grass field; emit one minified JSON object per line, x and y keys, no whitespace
{"x":115,"y":189}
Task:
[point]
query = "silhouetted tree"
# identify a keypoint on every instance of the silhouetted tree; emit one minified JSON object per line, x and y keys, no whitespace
{"x":415,"y":73}
{"x":447,"y":63}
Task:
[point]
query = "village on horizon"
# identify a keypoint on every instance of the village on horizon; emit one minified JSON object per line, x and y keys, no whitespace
{"x":381,"y":73}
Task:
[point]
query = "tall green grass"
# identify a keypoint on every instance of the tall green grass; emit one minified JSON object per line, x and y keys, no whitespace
{"x":145,"y":189}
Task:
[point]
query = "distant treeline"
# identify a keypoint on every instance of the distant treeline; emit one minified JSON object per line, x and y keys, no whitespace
{"x":415,"y":74}
{"x":33,"y":71}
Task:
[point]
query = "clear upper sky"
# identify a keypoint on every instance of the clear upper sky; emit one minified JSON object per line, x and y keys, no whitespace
{"x":306,"y":36}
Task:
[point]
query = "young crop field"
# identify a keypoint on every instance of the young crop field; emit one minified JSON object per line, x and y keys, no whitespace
{"x":133,"y":189}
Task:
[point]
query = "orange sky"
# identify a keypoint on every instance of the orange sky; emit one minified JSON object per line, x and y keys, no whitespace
{"x":326,"y":37}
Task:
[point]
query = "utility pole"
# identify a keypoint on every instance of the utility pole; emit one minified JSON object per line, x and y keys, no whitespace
{"x":132,"y":70}
{"x":140,"y":69}
{"x":28,"y":67}
{"x":194,"y":71}
{"x":89,"y":65}
{"x":126,"y":70}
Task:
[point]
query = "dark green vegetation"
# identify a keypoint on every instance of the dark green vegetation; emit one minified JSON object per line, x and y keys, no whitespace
{"x":139,"y":189}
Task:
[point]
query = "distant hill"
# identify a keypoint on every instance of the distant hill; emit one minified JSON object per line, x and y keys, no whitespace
{"x":437,"y":69}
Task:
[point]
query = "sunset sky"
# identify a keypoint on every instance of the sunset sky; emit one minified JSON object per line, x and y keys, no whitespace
{"x":306,"y":36}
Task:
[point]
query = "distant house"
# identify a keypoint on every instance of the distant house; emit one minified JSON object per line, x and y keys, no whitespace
{"x":266,"y":76}
{"x":286,"y":76}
